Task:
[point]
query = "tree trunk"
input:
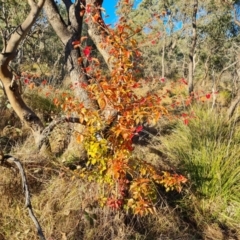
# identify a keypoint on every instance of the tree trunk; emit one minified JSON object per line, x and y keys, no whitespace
{"x":233,"y":105}
{"x":163,"y":57}
{"x":193,"y":47}
{"x":72,"y":32}
{"x":98,"y":31}
{"x":11,"y":87}
{"x":68,"y":34}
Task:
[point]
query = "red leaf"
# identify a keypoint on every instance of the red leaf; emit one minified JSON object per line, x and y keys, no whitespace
{"x":129,"y":146}
{"x":88,"y":8}
{"x":83,"y":84}
{"x":136,"y":85}
{"x":186,"y":121}
{"x":139,"y":129}
{"x":88,"y":69}
{"x":87,"y":51}
{"x":208,"y":95}
{"x":131,"y":136}
{"x":26,"y":81}
{"x":142,"y":100}
{"x":138,"y":54}
{"x":75,"y":43}
{"x":184,"y":81}
{"x":44,"y":82}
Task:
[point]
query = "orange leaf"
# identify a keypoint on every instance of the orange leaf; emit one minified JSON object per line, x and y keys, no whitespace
{"x":95,"y":18}
{"x":31,"y":85}
{"x":80,"y":60}
{"x":55,"y":101}
{"x":102,"y":103}
{"x":95,"y":60}
{"x":82,"y":12}
{"x":76,"y":44}
{"x":80,"y":138}
{"x":83,"y":38}
{"x":128,"y":54}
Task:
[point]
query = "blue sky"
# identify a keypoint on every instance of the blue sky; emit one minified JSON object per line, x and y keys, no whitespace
{"x":111,"y":18}
{"x":110,"y":8}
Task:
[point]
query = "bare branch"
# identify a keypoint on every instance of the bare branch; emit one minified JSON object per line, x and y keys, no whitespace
{"x":192,"y":48}
{"x":225,"y":69}
{"x":3,"y":34}
{"x":47,"y":131}
{"x":8,"y":161}
{"x":31,"y":3}
{"x":74,"y":17}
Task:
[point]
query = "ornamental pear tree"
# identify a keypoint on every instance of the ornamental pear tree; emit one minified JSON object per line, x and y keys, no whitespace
{"x":106,"y":104}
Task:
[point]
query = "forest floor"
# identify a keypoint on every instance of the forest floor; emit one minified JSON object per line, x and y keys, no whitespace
{"x":66,"y":205}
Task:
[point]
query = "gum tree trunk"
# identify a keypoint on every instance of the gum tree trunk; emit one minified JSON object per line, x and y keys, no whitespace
{"x":10,"y":85}
{"x":68,"y":33}
{"x":193,"y":48}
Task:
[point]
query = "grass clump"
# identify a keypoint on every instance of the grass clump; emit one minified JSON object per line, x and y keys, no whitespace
{"x":207,"y":150}
{"x":42,"y":104}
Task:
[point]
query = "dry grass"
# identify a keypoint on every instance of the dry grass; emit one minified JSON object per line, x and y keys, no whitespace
{"x":67,"y":208}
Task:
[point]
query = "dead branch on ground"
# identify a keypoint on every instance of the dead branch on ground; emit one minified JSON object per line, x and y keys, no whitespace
{"x":8,"y":161}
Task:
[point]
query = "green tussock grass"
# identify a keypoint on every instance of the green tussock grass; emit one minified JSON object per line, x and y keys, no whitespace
{"x":207,"y":151}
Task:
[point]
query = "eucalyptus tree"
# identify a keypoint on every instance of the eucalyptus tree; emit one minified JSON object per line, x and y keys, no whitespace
{"x":169,"y":25}
{"x":8,"y":80}
{"x":196,"y":38}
